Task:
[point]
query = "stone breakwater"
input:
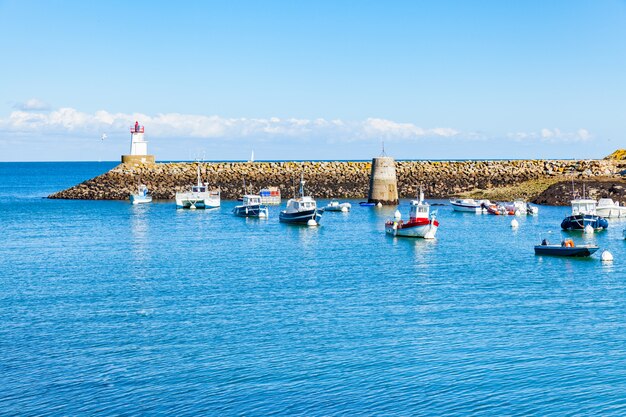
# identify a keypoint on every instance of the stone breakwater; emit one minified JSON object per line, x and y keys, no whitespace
{"x":440,"y":179}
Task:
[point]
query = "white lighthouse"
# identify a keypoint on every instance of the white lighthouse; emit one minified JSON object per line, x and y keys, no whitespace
{"x":138,"y":147}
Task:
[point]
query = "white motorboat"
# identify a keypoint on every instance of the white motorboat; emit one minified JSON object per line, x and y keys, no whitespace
{"x":335,"y":205}
{"x":200,"y":196}
{"x":610,"y":209}
{"x":141,"y":196}
{"x":301,"y":210}
{"x":422,"y":223}
{"x":469,"y":205}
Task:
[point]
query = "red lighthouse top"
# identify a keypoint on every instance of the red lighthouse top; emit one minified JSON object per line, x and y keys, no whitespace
{"x":136,"y":128}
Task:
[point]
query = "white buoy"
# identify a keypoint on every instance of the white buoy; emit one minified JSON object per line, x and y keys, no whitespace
{"x":345,"y":209}
{"x":518,"y":213}
{"x":607,"y":256}
{"x":397,"y":215}
{"x":262,"y":214}
{"x":588,"y":229}
{"x":379,"y":205}
{"x":514,"y":224}
{"x":311,"y":222}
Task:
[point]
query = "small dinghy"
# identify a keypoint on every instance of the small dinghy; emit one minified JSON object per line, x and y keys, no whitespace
{"x":335,"y":205}
{"x":141,"y":196}
{"x":366,"y":204}
{"x":567,"y":248}
{"x":495,"y":209}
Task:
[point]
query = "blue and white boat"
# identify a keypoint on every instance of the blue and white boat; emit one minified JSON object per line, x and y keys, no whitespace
{"x":251,"y":207}
{"x":301,"y":210}
{"x":567,"y":248}
{"x":583,"y":215}
{"x":141,"y":196}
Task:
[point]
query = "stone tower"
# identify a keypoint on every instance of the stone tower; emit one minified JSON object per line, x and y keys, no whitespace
{"x":383,"y":181}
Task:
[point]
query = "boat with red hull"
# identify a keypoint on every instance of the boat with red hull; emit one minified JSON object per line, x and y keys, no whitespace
{"x":421,"y":223}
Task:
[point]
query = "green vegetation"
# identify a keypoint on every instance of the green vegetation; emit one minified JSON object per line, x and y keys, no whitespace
{"x":526,"y":190}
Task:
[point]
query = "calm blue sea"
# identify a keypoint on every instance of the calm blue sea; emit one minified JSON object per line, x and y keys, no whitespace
{"x":113,"y":309}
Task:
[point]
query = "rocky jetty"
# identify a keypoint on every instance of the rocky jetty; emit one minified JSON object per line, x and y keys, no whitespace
{"x":560,"y":194}
{"x":440,"y":179}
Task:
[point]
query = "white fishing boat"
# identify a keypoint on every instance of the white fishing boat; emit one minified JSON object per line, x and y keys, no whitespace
{"x":301,"y":210}
{"x":251,"y":207}
{"x":200,"y":196}
{"x":335,"y":205}
{"x":422,"y":223}
{"x":141,"y":196}
{"x":469,"y":205}
{"x":610,"y":209}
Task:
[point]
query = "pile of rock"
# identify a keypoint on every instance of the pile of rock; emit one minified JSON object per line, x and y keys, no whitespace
{"x":561,"y":193}
{"x":346,"y":179}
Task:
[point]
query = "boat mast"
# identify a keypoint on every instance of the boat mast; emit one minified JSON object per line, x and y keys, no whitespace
{"x":199,"y":183}
{"x":302,"y":185}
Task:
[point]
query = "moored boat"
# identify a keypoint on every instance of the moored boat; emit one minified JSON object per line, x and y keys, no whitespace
{"x":251,"y":207}
{"x":200,"y":196}
{"x":301,"y":210}
{"x":366,"y":204}
{"x":567,"y":248}
{"x":520,"y":207}
{"x":608,"y":208}
{"x":583,"y":215}
{"x":335,"y":205}
{"x":141,"y":196}
{"x":469,"y":205}
{"x":422,"y":223}
{"x":495,"y":209}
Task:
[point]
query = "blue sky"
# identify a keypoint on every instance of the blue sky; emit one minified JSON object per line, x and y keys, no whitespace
{"x":319,"y":80}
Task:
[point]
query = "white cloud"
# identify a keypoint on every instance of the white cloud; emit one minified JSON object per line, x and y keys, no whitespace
{"x":32,"y":104}
{"x":552,"y":135}
{"x":71,"y":122}
{"x":176,"y":125}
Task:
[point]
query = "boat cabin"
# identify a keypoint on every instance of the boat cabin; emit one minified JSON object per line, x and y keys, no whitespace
{"x":586,"y":206}
{"x":199,"y":189}
{"x":607,"y":202}
{"x":419,"y":210}
{"x":304,"y":205}
{"x":251,"y":200}
{"x":301,"y":204}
